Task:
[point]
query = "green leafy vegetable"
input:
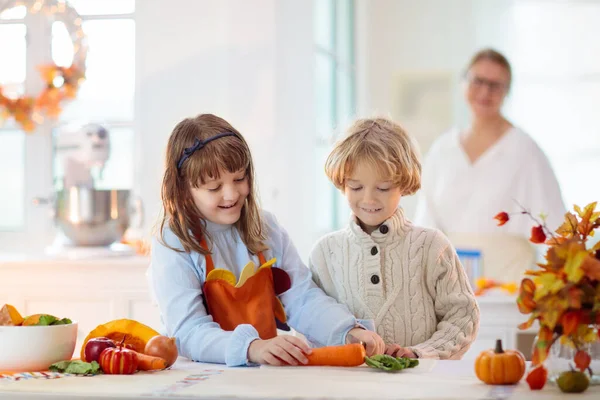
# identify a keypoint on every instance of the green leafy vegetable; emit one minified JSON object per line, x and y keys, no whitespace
{"x":64,"y":321}
{"x":46,"y":320}
{"x":389,"y":363}
{"x":77,"y":367}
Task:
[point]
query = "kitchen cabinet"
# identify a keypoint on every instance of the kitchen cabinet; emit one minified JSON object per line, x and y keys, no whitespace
{"x":89,"y":291}
{"x":94,"y":291}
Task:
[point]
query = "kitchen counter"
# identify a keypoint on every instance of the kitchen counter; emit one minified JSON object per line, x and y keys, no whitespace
{"x":95,"y":290}
{"x":187,"y":380}
{"x":91,"y":290}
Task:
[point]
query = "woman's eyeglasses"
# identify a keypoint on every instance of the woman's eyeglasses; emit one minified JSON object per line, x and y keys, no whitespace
{"x":494,"y":86}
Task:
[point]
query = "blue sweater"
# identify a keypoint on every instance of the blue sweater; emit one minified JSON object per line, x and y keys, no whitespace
{"x":176,"y":281}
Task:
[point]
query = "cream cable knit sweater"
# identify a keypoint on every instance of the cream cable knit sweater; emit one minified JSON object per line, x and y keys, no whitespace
{"x":407,"y":279}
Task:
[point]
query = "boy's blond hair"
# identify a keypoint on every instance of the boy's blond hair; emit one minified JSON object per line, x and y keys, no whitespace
{"x":384,"y":145}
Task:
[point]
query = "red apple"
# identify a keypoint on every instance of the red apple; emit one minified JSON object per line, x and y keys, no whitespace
{"x":95,"y":346}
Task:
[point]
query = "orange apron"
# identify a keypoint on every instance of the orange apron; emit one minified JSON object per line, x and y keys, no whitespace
{"x":251,"y":302}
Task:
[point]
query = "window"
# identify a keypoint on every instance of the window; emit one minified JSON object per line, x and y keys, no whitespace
{"x":557,"y":91}
{"x":334,"y":100}
{"x":12,"y":143}
{"x":27,"y":165}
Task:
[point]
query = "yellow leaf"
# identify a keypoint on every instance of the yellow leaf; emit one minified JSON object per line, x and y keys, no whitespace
{"x":596,"y":247}
{"x":573,"y":265}
{"x":527,"y":324}
{"x":569,"y":227}
{"x":566,"y":341}
{"x":551,"y":310}
{"x":586,"y":333}
{"x":586,"y":223}
{"x":587,"y":210}
{"x":547,"y":283}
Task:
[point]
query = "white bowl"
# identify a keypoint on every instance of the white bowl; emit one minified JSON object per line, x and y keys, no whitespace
{"x":35,"y":348}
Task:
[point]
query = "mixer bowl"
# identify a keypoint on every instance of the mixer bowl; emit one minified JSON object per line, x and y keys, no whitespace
{"x":90,"y":217}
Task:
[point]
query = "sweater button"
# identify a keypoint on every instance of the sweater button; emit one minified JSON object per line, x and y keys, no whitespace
{"x":374,"y":251}
{"x":374,"y":279}
{"x":384,"y":229}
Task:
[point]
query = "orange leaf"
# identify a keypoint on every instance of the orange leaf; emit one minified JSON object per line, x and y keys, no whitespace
{"x":537,"y":377}
{"x":574,"y":295}
{"x":537,"y":235}
{"x":555,"y":258}
{"x":556,"y":240}
{"x":527,"y":286}
{"x":582,"y":360}
{"x":502,"y":218}
{"x":527,"y":324}
{"x":591,"y":267}
{"x":585,"y":225}
{"x":569,"y":227}
{"x":569,"y":321}
{"x":526,"y":304}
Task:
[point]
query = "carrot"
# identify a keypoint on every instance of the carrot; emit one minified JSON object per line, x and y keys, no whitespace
{"x":149,"y":363}
{"x":348,"y":355}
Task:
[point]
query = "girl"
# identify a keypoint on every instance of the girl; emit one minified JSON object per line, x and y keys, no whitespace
{"x":211,"y":228}
{"x":407,"y":278}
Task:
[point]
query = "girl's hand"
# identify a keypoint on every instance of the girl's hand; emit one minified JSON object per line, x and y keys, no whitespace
{"x":281,"y":350}
{"x":395,"y":350}
{"x":373,"y":342}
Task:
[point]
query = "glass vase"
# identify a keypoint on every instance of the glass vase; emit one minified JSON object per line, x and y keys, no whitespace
{"x":561,"y":359}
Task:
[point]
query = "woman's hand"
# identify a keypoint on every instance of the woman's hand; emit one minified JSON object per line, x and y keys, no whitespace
{"x":374,"y":344}
{"x":395,"y":350}
{"x":281,"y":350}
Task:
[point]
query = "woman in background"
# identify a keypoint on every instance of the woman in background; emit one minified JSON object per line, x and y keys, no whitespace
{"x":471,"y":175}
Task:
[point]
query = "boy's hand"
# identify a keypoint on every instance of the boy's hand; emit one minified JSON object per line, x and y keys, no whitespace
{"x":373,"y":342}
{"x":281,"y":350}
{"x":395,"y":350}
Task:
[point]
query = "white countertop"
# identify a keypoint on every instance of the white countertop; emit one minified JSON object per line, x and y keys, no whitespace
{"x":187,"y":380}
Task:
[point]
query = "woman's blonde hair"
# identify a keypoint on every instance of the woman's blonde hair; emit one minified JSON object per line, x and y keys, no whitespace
{"x":383,"y":144}
{"x":229,"y":153}
{"x":494,"y":56}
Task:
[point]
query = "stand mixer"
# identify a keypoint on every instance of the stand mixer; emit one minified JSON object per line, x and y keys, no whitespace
{"x":79,"y":149}
{"x":90,"y":221}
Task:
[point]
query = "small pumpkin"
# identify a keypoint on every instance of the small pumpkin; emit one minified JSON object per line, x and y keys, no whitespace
{"x":118,"y":361}
{"x":130,"y":333}
{"x":500,"y":367}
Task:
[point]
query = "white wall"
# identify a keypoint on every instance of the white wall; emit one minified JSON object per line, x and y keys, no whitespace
{"x":252,"y":63}
{"x":422,"y":38}
{"x":248,"y":62}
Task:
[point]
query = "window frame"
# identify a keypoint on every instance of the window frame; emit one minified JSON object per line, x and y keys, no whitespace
{"x":38,"y":229}
{"x":324,"y":140}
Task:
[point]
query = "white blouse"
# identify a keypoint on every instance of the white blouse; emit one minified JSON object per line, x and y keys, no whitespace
{"x":458,"y":196}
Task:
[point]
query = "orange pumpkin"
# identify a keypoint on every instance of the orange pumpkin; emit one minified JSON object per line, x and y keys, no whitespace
{"x":130,"y":333}
{"x":9,"y":316}
{"x":499,"y":367}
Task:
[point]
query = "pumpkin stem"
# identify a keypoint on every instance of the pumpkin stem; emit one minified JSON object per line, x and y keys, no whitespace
{"x":499,"y":349}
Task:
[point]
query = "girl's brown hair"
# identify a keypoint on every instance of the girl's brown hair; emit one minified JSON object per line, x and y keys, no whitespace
{"x":229,"y":153}
{"x":383,"y":144}
{"x":493,"y":56}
